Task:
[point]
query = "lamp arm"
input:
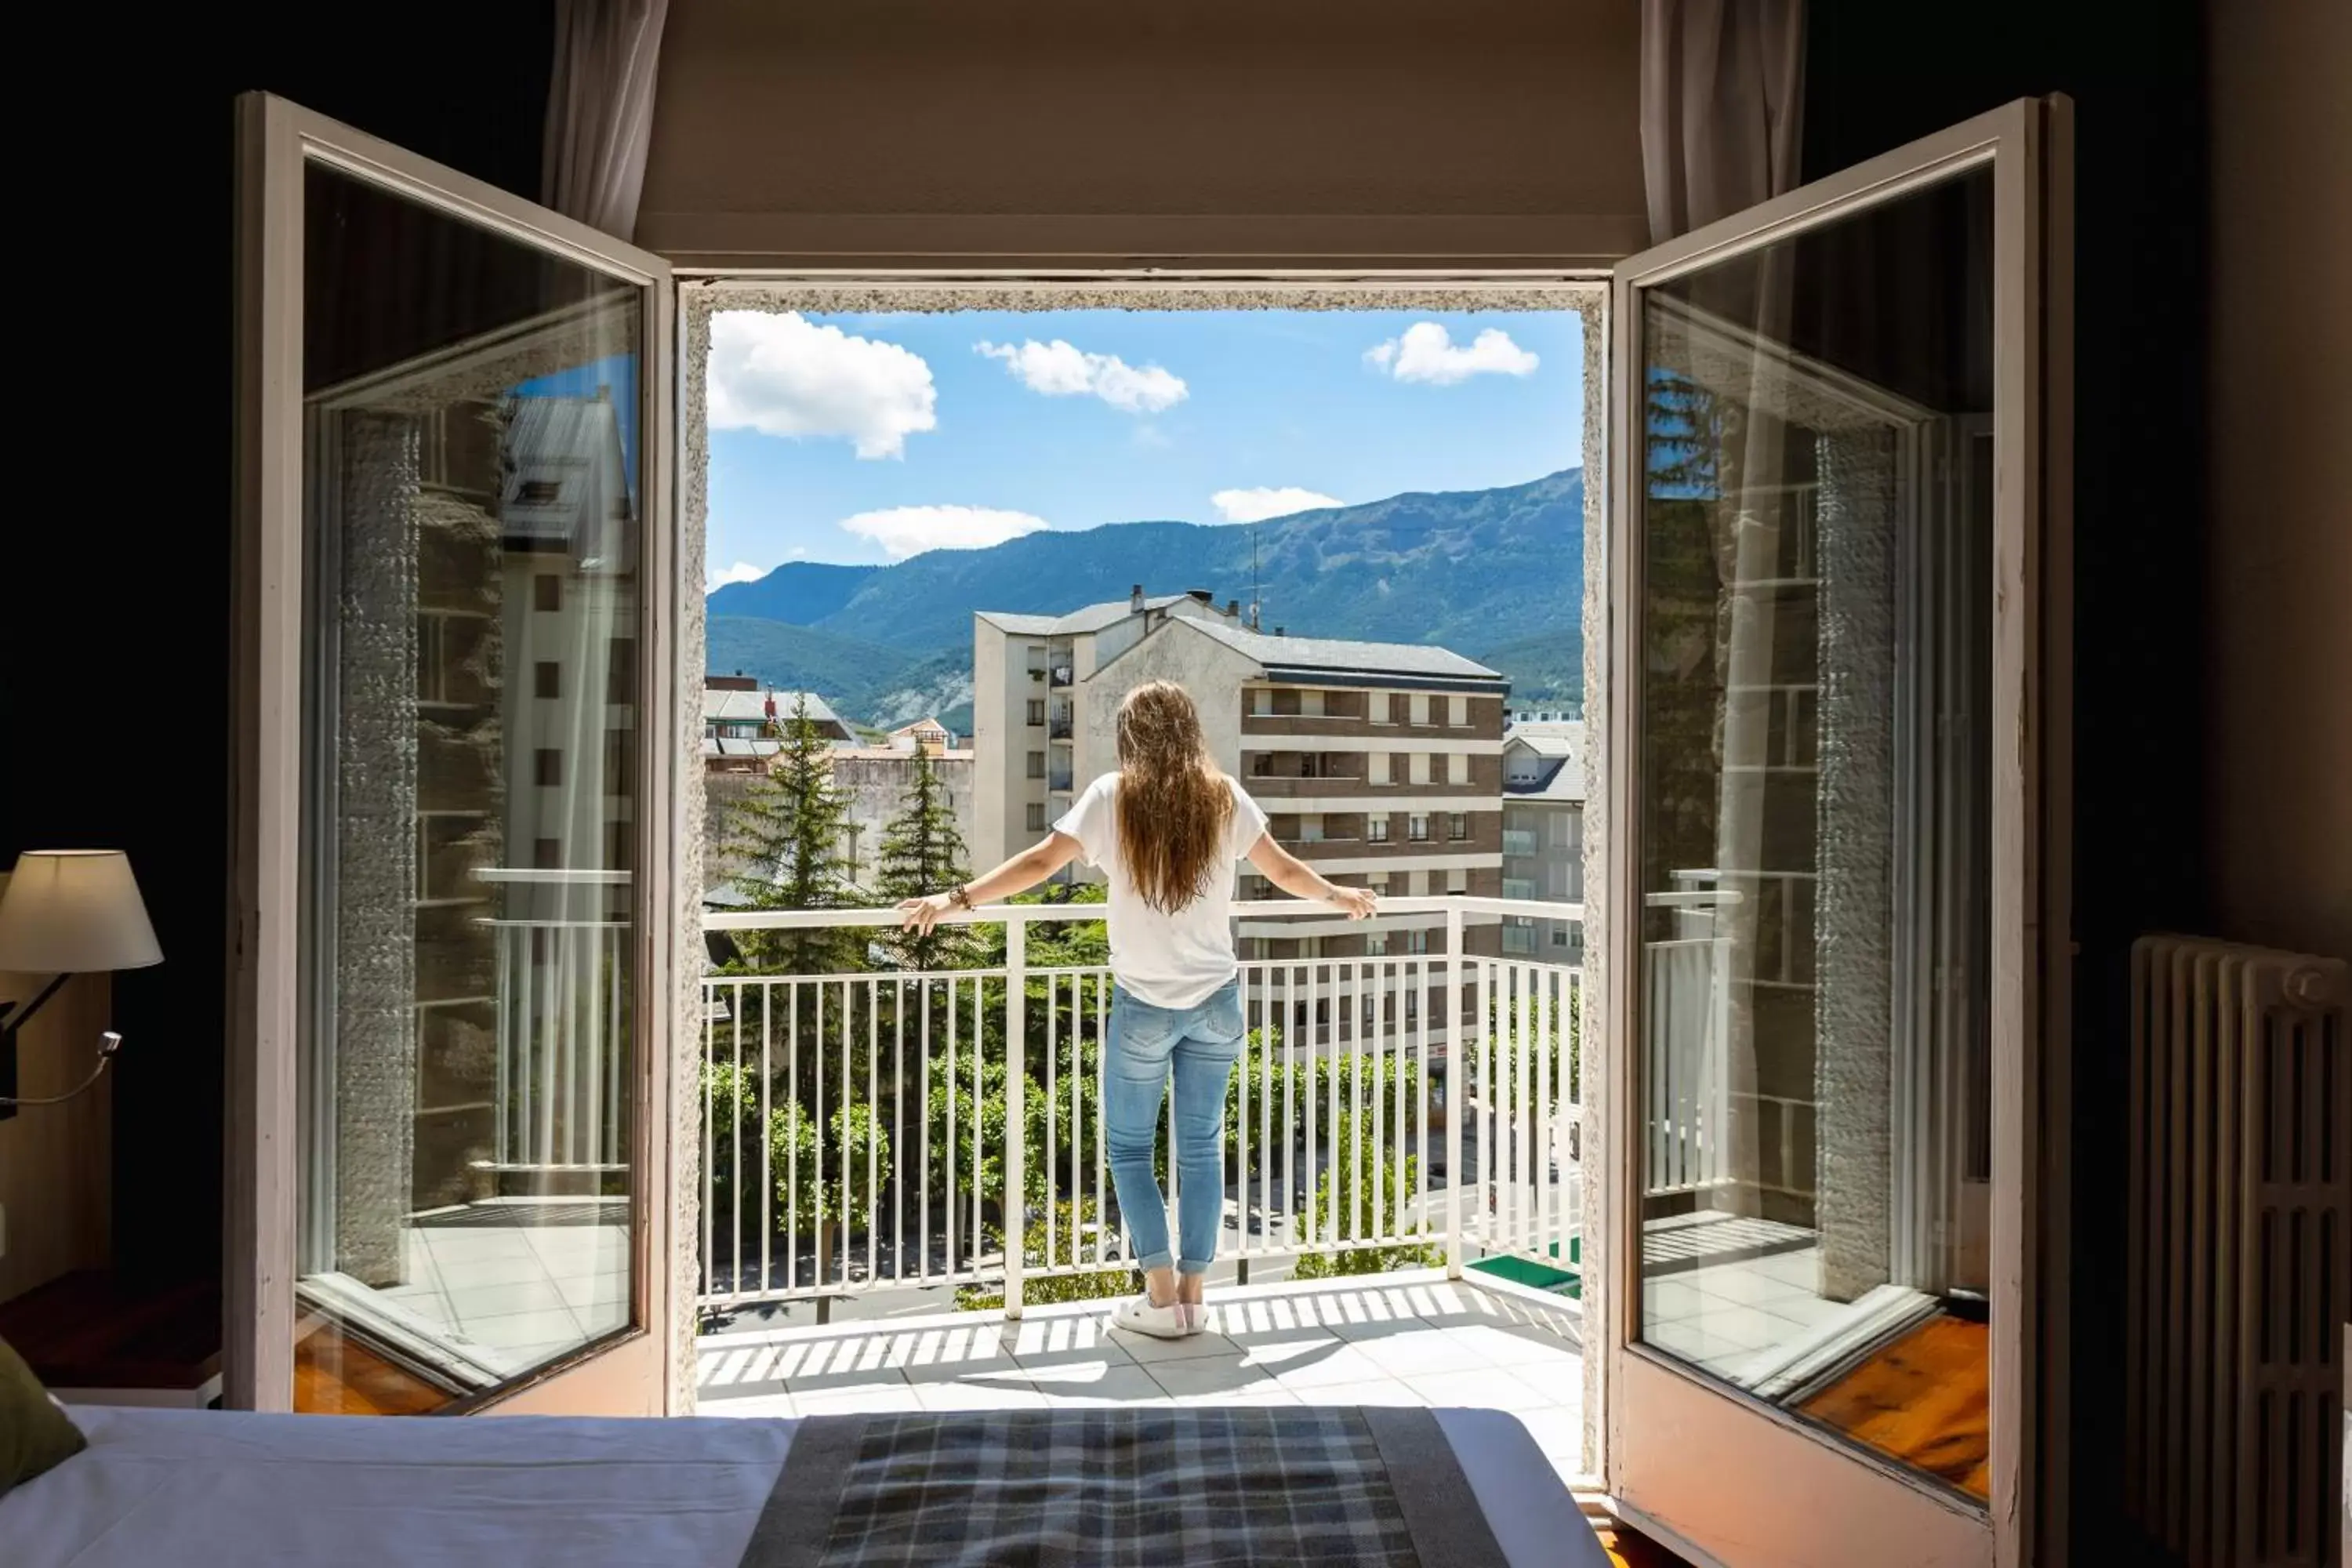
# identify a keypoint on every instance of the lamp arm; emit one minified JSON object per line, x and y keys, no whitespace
{"x":16,"y":1018}
{"x":108,"y":1043}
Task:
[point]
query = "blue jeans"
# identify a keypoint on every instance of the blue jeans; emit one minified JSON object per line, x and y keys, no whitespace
{"x":1201,"y":1043}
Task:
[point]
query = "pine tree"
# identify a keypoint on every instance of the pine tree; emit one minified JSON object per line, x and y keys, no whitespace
{"x":922,"y":852}
{"x":787,"y":833}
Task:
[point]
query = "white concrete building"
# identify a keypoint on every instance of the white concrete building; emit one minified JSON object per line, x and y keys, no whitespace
{"x":1543,"y":834}
{"x":1028,"y":674}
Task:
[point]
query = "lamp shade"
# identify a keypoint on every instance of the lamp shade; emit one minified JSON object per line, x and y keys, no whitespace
{"x":72,"y":911}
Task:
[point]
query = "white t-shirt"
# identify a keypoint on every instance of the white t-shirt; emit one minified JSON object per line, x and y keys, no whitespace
{"x":1168,"y":961}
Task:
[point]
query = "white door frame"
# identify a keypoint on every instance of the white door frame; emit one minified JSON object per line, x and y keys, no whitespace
{"x":641,"y":1370}
{"x":1790,"y":1487}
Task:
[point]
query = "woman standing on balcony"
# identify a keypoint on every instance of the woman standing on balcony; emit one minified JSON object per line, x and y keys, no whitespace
{"x":1166,"y":829}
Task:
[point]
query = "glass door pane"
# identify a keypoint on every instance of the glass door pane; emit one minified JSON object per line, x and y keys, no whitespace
{"x":1816,"y":533}
{"x":473,"y":517}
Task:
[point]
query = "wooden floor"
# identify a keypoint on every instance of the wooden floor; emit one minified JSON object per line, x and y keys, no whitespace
{"x":1627,"y":1550}
{"x":336,"y":1375}
{"x":1921,"y":1400}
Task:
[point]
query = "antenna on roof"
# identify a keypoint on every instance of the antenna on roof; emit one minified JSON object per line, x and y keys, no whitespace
{"x":1254,"y":598}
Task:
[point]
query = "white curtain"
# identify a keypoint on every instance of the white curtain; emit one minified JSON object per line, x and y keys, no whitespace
{"x":600,"y":109}
{"x":1722,"y":85}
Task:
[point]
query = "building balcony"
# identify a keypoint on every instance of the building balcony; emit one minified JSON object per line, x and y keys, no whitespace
{"x":1060,"y":675}
{"x":1058,"y":730}
{"x":1520,"y":841}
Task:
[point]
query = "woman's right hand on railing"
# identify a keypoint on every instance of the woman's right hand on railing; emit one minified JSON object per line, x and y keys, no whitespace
{"x":1355,"y":903}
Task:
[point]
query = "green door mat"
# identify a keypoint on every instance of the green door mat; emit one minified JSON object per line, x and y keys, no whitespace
{"x":1540,"y":1276}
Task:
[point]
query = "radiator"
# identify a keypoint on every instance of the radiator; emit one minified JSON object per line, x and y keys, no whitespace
{"x":2240,"y":1252}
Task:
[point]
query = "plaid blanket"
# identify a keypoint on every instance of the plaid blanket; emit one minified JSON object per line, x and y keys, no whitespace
{"x":1123,"y":1489}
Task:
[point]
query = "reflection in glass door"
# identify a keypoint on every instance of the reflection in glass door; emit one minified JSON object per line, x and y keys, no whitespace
{"x":1816,"y":530}
{"x":474,"y":513}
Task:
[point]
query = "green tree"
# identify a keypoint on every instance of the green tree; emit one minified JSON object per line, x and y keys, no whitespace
{"x":1359,"y":1195}
{"x":1073,"y":1244}
{"x":922,"y":852}
{"x":787,"y":833}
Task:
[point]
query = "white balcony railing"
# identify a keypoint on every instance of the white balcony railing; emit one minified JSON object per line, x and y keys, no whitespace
{"x":888,"y":1128}
{"x":562,"y":1102}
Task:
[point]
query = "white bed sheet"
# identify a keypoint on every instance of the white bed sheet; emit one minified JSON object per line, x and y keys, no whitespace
{"x":163,"y":1488}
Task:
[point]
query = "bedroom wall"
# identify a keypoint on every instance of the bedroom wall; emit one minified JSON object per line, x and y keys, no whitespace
{"x":1320,"y":131}
{"x":2279,"y":755}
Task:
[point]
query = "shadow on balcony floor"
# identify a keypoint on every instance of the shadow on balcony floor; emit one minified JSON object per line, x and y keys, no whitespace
{"x":1401,"y":1339}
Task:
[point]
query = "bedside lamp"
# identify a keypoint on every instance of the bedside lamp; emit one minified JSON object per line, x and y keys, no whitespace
{"x":67,"y":913}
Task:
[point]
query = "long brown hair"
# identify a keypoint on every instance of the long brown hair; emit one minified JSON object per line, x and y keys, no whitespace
{"x":1174,"y":806}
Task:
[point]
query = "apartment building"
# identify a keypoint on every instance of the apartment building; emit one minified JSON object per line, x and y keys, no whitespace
{"x":1543,"y":834}
{"x":1379,"y":763}
{"x":1029,"y":676}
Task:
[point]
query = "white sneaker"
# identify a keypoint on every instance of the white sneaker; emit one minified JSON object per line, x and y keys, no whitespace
{"x":1137,"y":1315}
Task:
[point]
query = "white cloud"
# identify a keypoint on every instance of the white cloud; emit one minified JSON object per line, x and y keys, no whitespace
{"x":1256,"y":506}
{"x":1063,"y":370}
{"x":904,"y":531}
{"x":1427,"y":352}
{"x":782,"y":376}
{"x":742,"y":572}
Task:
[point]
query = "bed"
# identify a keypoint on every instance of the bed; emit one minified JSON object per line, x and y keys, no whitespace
{"x":173,"y":1487}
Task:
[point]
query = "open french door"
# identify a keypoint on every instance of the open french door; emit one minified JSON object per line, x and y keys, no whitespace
{"x":457,"y":607}
{"x":1837,"y":686}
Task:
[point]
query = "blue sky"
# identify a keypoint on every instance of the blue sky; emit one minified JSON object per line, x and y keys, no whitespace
{"x":865,"y":439}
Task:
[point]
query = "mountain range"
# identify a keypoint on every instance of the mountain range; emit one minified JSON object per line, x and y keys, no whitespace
{"x":1497,"y":574}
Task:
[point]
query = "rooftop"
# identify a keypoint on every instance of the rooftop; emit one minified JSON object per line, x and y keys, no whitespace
{"x":1330,"y":654}
{"x":1561,"y":747}
{"x":1092,"y":618}
{"x":734,"y":707}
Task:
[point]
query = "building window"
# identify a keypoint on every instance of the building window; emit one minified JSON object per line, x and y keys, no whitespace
{"x":1416,"y":828}
{"x":1416,"y":885}
{"x":1262,"y":700}
{"x":1560,"y":936}
{"x":620,"y":762}
{"x":1376,"y":944}
{"x":1457,"y":881}
{"x":547,"y":767}
{"x":546,"y":678}
{"x":620,"y":670}
{"x":1311,"y":766}
{"x":1036,"y":764}
{"x":1457,"y":711}
{"x":1036,"y":711}
{"x":547,"y":592}
{"x":1262,"y":766}
{"x":1416,"y":942}
{"x":1376,"y":767}
{"x":1420,"y":769}
{"x":1419,"y":708}
{"x":1036,"y":816}
{"x":1376,"y":829}
{"x":547,"y":854}
{"x":1441,"y":768}
{"x":1457,"y":826}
